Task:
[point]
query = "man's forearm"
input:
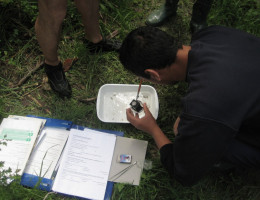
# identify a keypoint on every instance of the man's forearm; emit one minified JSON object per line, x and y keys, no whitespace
{"x":159,"y":137}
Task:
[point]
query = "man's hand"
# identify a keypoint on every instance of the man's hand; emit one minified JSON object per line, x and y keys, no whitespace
{"x":146,"y":124}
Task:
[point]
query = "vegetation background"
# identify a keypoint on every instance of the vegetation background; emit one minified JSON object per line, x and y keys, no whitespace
{"x":20,"y":53}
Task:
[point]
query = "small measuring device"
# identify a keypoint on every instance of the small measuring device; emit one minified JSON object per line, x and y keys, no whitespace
{"x":139,"y":88}
{"x":135,"y":104}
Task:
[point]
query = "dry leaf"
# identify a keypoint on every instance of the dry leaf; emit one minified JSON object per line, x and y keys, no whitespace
{"x":68,"y":63}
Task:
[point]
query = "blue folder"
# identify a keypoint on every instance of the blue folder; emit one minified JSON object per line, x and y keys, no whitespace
{"x":32,"y":181}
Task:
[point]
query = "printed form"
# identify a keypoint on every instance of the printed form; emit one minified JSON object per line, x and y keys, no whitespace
{"x":85,"y":164}
{"x":19,"y":136}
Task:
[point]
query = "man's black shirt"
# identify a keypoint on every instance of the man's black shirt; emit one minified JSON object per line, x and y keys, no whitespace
{"x":222,"y":102}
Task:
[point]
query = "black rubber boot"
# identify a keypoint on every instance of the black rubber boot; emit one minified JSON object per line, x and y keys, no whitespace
{"x":57,"y":79}
{"x":104,"y":45}
{"x":160,"y":16}
{"x":200,"y":12}
{"x":196,"y":27}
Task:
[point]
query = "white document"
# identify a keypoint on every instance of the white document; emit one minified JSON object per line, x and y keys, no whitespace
{"x":20,"y":137}
{"x":85,"y":164}
{"x":47,"y":151}
{"x":43,"y":121}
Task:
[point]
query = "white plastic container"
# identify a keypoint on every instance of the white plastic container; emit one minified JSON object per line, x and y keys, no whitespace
{"x":114,"y":99}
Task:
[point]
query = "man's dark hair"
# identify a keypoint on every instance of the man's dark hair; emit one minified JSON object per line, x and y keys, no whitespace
{"x":147,"y":48}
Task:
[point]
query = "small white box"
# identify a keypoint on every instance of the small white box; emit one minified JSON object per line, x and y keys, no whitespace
{"x":114,"y":99}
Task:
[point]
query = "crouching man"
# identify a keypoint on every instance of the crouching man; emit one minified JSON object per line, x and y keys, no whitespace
{"x":220,"y":121}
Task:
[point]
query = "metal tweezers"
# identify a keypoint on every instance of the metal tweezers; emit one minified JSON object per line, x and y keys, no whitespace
{"x":116,"y":176}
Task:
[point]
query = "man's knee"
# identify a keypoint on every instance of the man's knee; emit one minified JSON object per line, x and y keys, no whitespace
{"x":243,"y":155}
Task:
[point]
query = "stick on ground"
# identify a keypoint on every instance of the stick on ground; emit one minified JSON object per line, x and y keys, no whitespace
{"x":38,"y":65}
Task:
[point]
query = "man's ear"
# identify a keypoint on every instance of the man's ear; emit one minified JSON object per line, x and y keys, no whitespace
{"x":153,"y":74}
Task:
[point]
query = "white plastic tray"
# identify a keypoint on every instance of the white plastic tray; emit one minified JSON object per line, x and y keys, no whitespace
{"x":114,"y":99}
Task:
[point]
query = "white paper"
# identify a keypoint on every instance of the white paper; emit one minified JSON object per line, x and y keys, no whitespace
{"x":85,"y":164}
{"x":20,"y":136}
{"x":47,"y":151}
{"x":43,"y":121}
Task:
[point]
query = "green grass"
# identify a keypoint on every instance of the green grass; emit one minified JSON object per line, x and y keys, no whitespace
{"x":20,"y":52}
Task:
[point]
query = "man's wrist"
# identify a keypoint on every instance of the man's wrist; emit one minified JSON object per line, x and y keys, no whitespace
{"x":159,"y":137}
{"x":156,"y":131}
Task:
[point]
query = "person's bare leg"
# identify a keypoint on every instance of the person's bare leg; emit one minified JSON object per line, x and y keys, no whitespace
{"x":48,"y":28}
{"x":89,"y":10}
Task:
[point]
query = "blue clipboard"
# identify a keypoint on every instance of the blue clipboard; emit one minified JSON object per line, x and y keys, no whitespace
{"x":33,"y":181}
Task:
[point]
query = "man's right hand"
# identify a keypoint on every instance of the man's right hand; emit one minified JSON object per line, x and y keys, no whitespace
{"x":146,"y":123}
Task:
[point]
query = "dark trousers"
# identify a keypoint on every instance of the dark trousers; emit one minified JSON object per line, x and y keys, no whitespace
{"x":200,"y":9}
{"x":242,"y":155}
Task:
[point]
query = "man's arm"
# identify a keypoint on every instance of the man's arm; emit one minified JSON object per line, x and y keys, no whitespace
{"x":175,"y":126}
{"x":148,"y":125}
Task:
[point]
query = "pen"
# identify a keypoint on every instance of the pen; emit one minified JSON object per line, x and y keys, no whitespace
{"x":139,"y":88}
{"x":40,"y":140}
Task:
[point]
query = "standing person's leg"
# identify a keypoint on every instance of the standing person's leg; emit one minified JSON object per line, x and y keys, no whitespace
{"x":200,"y":12}
{"x":48,"y":28}
{"x":89,"y":10}
{"x":161,"y":15}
